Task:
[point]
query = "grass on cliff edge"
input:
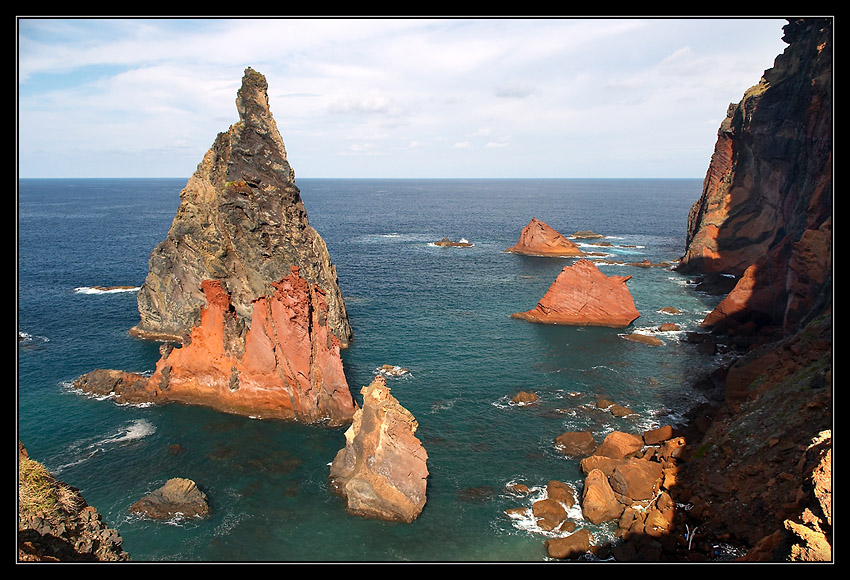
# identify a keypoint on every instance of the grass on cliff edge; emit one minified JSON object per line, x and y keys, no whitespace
{"x":40,"y":494}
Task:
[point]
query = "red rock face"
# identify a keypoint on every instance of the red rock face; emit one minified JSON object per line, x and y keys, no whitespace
{"x":285,"y":365}
{"x":583,"y":296}
{"x":765,"y":211}
{"x":539,"y":239}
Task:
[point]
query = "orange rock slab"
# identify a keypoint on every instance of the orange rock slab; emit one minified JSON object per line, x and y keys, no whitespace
{"x":582,"y":295}
{"x":285,"y":365}
{"x":540,"y":239}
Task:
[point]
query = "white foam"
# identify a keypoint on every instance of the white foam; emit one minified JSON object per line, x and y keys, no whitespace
{"x":105,"y":290}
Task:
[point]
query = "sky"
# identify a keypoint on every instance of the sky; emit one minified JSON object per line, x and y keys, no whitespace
{"x":382,"y":97}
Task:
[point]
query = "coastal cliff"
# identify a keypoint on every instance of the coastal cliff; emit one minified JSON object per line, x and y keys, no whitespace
{"x":55,"y":524}
{"x":765,"y":214}
{"x":241,"y":221}
{"x":758,"y":470}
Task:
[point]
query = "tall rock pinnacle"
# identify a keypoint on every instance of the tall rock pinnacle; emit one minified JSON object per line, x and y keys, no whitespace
{"x":241,"y":222}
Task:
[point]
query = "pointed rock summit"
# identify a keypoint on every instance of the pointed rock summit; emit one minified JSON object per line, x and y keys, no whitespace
{"x":582,"y":295}
{"x":540,"y":239}
{"x":245,"y":286}
{"x":240,"y":221}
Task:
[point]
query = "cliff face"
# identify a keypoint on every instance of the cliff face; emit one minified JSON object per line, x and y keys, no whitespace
{"x":240,"y":221}
{"x":55,"y":524}
{"x":765,"y":211}
{"x":761,"y":449}
{"x":582,"y":295}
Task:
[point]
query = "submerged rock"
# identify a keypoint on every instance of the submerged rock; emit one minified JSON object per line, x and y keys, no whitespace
{"x":382,"y":470}
{"x":540,"y":239}
{"x":447,"y":243}
{"x":583,"y":296}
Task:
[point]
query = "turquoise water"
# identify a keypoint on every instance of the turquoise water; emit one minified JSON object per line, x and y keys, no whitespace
{"x":443,"y":313}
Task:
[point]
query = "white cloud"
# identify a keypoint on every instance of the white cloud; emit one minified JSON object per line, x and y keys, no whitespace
{"x":554,"y":89}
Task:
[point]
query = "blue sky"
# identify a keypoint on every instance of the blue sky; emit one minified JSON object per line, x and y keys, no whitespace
{"x":410,"y":97}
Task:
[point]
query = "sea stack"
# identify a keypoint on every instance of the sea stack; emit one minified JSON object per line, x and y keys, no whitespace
{"x":245,"y":287}
{"x":582,"y":295}
{"x":240,"y":221}
{"x":765,"y":214}
{"x":382,"y":470}
{"x":540,"y":239}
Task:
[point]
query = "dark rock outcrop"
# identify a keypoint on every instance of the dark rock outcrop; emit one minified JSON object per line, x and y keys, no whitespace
{"x":582,"y":295}
{"x":382,"y":470}
{"x":241,"y":221}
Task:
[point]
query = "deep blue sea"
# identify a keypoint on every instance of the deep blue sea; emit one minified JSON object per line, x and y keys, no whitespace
{"x":442,"y":313}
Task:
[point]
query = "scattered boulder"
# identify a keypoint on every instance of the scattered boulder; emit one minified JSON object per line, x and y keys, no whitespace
{"x":572,"y":546}
{"x":619,"y":445}
{"x":576,"y":443}
{"x":598,"y":501}
{"x":656,"y":436}
{"x":178,"y":498}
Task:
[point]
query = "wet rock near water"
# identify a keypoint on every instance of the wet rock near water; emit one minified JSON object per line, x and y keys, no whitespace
{"x":178,"y":498}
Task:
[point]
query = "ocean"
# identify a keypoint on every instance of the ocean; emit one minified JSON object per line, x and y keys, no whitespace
{"x":443,"y":313}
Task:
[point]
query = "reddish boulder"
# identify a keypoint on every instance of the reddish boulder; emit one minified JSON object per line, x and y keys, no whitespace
{"x":637,"y":479}
{"x":381,"y":471}
{"x":656,"y":436}
{"x":583,"y":296}
{"x":598,"y":501}
{"x":572,"y":546}
{"x":575,"y":443}
{"x":619,"y":445}
{"x":539,"y":239}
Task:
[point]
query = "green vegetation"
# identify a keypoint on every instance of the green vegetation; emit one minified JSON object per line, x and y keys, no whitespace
{"x":39,"y":493}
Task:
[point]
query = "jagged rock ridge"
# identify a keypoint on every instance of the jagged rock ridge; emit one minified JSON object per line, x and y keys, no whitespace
{"x":240,"y":221}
